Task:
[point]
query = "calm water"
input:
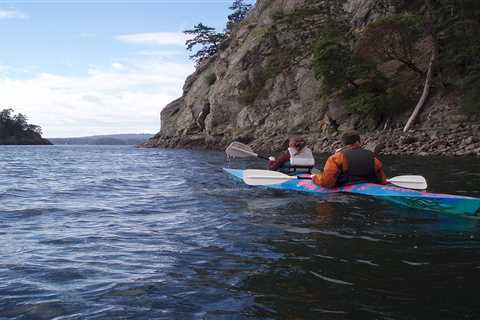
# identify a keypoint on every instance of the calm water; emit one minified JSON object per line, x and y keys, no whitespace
{"x":125,"y":233}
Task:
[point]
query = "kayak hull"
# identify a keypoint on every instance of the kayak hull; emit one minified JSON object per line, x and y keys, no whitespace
{"x":406,"y":197}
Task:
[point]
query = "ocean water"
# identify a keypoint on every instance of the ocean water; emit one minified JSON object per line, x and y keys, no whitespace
{"x":102,"y":232}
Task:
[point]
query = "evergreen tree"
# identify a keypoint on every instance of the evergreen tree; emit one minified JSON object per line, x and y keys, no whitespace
{"x":393,"y":38}
{"x":240,"y":11}
{"x":207,"y":38}
{"x":12,"y":125}
{"x":456,"y":24}
{"x":335,"y":62}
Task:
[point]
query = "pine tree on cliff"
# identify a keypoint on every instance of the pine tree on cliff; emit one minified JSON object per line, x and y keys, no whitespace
{"x":210,"y":41}
{"x":207,"y":38}
{"x":240,"y":11}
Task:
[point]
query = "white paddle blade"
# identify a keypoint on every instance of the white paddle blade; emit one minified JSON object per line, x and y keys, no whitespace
{"x":409,"y":181}
{"x":239,"y":150}
{"x":254,"y":177}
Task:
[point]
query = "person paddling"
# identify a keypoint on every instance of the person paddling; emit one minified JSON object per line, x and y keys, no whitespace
{"x":350,"y":164}
{"x":298,"y":157}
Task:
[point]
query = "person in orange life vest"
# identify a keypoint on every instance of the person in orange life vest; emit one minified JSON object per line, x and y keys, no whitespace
{"x":298,"y":155}
{"x":350,"y":164}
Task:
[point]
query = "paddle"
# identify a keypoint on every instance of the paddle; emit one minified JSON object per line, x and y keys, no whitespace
{"x":239,"y":150}
{"x":256,"y":177}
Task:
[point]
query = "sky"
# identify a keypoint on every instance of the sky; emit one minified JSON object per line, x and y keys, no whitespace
{"x":85,"y":67}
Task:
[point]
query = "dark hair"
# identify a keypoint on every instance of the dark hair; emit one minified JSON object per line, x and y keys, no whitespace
{"x":350,"y":137}
{"x":298,"y":142}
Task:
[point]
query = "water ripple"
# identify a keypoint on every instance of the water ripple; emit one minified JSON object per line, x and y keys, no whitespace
{"x":126,"y":233}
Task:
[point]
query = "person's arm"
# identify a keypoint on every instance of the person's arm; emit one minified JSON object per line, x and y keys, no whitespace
{"x":277,"y":163}
{"x":331,"y":170}
{"x":381,"y":177}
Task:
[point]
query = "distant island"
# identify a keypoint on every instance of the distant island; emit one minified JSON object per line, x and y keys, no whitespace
{"x":14,"y":130}
{"x":111,"y":139}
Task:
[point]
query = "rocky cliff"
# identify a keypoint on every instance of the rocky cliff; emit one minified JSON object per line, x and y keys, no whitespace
{"x":251,"y":92}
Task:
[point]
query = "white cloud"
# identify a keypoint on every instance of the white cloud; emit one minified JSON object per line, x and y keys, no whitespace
{"x":114,"y":100}
{"x":117,"y":66}
{"x":154,"y":38}
{"x":12,"y":14}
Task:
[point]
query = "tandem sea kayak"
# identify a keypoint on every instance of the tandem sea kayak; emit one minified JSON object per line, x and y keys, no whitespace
{"x":414,"y":199}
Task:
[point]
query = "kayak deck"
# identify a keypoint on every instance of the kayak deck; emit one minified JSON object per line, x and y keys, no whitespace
{"x":406,"y":197}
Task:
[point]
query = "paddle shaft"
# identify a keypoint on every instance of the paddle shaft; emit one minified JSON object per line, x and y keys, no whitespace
{"x":266,"y":177}
{"x":388,"y":180}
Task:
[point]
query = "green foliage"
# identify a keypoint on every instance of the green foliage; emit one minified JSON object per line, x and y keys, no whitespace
{"x":210,"y":41}
{"x":292,"y":34}
{"x":393,"y":38}
{"x":211,"y":78}
{"x":457,"y":25}
{"x":331,"y":64}
{"x":471,"y":97}
{"x":15,"y":124}
{"x":396,"y":102}
{"x":335,"y":31}
{"x":207,"y":38}
{"x":377,"y":102}
{"x":240,"y":12}
{"x":365,"y":90}
{"x":334,"y":60}
{"x":364,"y":102}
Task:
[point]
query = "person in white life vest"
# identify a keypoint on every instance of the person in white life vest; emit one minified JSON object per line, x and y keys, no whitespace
{"x":298,"y":158}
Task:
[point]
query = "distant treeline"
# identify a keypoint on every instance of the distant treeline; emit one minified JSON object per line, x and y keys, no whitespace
{"x":115,"y":139}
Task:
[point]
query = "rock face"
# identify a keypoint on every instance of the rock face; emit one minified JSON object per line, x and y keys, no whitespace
{"x":238,"y":95}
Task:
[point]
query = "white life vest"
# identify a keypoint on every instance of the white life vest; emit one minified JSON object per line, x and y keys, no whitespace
{"x":303,"y":159}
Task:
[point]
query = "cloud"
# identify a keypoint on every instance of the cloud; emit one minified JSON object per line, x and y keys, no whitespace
{"x":112,"y":100}
{"x":12,"y":14}
{"x":117,"y":66}
{"x":154,"y":38}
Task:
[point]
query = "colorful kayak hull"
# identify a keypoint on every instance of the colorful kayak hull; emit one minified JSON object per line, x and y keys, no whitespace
{"x":406,"y":197}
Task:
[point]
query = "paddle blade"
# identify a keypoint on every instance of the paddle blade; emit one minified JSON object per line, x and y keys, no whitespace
{"x":254,"y":177}
{"x":409,"y":181}
{"x":239,"y":150}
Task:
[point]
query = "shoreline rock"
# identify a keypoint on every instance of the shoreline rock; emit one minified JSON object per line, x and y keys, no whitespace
{"x":24,"y":140}
{"x":463,"y":141}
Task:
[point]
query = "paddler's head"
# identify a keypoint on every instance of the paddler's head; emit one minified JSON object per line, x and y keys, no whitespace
{"x":351,"y":138}
{"x":297,"y":142}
